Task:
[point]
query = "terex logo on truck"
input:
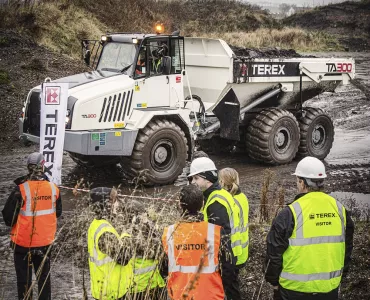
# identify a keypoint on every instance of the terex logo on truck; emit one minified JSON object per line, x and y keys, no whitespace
{"x":273,"y":69}
{"x":268,"y":69}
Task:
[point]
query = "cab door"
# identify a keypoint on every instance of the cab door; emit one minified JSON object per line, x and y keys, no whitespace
{"x":176,"y":77}
{"x":152,"y":87}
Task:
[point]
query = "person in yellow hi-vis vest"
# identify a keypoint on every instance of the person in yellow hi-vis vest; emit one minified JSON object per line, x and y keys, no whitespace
{"x":110,"y":263}
{"x":148,"y":268}
{"x":310,"y":242}
{"x":220,"y":209}
{"x":229,"y":180}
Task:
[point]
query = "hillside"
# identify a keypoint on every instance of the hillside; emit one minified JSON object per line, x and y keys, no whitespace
{"x":189,"y":16}
{"x":348,"y":21}
{"x":59,"y":25}
{"x":23,"y":65}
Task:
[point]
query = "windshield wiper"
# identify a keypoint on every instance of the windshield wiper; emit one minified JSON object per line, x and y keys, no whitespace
{"x":126,"y":68}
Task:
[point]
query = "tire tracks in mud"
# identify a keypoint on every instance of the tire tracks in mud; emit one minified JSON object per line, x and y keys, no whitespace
{"x":349,"y":177}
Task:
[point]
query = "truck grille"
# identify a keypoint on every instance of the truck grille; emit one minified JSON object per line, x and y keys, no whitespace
{"x":116,"y":107}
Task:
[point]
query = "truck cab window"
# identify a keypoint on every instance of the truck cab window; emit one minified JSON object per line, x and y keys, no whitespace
{"x":177,"y":55}
{"x":116,"y":57}
{"x":156,"y":51}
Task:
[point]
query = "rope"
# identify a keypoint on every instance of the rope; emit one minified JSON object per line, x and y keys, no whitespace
{"x":153,"y":198}
{"x":121,"y":195}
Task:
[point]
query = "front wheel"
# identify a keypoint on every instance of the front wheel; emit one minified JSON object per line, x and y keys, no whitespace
{"x":317,"y":133}
{"x":159,"y":154}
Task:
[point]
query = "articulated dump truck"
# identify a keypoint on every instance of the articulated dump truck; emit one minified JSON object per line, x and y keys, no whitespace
{"x":151,"y":98}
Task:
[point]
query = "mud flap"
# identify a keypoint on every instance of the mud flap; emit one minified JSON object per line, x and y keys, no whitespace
{"x":228,"y":111}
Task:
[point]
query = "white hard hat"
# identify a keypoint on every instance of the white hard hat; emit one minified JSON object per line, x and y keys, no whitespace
{"x":200,"y":165}
{"x":310,"y":167}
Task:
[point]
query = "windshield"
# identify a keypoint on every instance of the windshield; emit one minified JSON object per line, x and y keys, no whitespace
{"x":117,"y":57}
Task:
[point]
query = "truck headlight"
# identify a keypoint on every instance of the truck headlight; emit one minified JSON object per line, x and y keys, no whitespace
{"x":68,"y":113}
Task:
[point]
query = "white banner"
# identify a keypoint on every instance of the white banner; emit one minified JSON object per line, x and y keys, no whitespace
{"x":52,"y":127}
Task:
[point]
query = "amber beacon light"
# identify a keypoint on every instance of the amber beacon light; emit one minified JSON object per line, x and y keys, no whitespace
{"x":159,"y":28}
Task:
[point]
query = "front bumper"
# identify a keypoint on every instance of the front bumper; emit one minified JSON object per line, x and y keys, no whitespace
{"x":110,"y":142}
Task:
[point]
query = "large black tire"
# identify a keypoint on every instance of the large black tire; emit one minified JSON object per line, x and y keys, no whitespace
{"x":94,"y":161}
{"x":159,"y":154}
{"x":273,"y":136}
{"x":317,"y":133}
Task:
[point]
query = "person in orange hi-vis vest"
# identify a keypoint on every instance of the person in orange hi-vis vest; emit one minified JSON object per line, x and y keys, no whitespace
{"x":32,"y":210}
{"x":193,"y":248}
{"x":140,"y":66}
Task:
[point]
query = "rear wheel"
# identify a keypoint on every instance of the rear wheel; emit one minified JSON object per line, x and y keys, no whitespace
{"x":317,"y":133}
{"x":94,"y":161}
{"x":159,"y":154}
{"x":273,"y":136}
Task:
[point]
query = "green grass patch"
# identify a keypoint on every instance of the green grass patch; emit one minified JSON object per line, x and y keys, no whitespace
{"x":4,"y":41}
{"x":4,"y":77}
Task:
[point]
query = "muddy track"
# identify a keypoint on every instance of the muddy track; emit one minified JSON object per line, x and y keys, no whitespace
{"x":349,"y":177}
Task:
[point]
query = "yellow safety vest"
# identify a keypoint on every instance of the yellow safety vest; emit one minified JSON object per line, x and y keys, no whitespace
{"x":156,"y":65}
{"x":314,"y":260}
{"x":109,"y":280}
{"x":146,"y":275}
{"x":242,"y":202}
{"x":224,"y":197}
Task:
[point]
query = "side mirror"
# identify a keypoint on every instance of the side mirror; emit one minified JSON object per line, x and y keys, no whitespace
{"x":166,"y":65}
{"x":87,"y":57}
{"x":86,"y":51}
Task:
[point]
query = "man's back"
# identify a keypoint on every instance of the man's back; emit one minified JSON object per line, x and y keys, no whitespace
{"x":36,"y":224}
{"x":192,"y":250}
{"x":314,"y":259}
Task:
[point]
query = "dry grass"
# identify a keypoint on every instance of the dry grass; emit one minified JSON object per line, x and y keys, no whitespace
{"x":286,"y":38}
{"x":57,"y":26}
{"x":71,"y":25}
{"x":272,"y":197}
{"x":145,"y":227}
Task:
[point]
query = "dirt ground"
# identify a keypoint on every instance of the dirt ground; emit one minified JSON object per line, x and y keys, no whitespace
{"x":348,"y":166}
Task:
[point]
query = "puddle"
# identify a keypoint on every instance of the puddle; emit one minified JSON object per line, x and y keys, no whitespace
{"x":350,"y":147}
{"x":345,"y":197}
{"x":357,"y":203}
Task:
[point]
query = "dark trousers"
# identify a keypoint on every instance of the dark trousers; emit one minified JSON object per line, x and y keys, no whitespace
{"x":230,"y":282}
{"x":293,"y":295}
{"x":23,"y":266}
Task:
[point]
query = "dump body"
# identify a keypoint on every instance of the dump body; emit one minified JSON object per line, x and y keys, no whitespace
{"x":214,"y":69}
